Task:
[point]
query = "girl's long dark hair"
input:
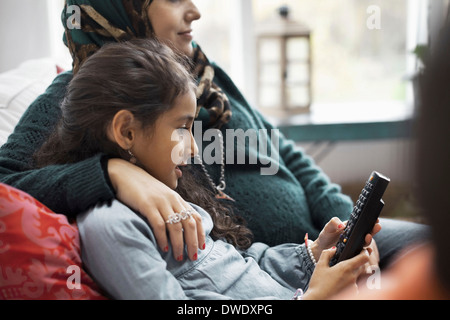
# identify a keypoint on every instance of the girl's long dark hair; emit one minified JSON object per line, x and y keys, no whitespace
{"x":144,"y":77}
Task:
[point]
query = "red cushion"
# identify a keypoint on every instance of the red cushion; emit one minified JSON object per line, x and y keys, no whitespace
{"x":39,"y":252}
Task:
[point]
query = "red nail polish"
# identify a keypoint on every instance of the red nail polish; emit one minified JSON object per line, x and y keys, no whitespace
{"x":333,"y":248}
{"x":341,"y":226}
{"x":166,"y":249}
{"x":180,"y":258}
{"x":195,"y":257}
{"x":204,"y":246}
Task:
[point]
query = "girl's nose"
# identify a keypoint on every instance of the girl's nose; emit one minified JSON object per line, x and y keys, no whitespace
{"x":194,"y":147}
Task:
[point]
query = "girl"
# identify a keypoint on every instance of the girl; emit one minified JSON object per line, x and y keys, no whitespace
{"x":298,"y":199}
{"x":135,"y":101}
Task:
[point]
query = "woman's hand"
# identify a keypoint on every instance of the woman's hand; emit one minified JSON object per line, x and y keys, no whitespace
{"x":327,"y":281}
{"x":154,"y":200}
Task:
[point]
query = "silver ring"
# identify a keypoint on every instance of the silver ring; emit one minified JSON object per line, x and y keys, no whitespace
{"x":178,"y":217}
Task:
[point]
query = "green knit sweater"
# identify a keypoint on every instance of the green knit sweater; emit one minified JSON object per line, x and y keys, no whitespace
{"x":279,"y":208}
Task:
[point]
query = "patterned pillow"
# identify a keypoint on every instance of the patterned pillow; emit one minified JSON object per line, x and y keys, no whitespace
{"x":39,"y":252}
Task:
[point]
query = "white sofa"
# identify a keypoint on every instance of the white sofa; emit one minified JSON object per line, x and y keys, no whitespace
{"x":19,"y":88}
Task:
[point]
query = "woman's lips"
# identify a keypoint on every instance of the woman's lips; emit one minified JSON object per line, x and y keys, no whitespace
{"x":186,"y":35}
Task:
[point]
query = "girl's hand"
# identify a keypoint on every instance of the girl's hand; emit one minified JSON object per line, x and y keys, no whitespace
{"x":154,"y":200}
{"x":327,"y":281}
{"x":329,"y":236}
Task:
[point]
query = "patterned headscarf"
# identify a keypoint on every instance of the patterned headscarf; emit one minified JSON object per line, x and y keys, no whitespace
{"x":121,"y":20}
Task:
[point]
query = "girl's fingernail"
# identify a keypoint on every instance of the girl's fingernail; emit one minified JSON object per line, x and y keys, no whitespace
{"x":195,"y":257}
{"x":204,"y":246}
{"x":166,"y":249}
{"x":180,"y":258}
{"x":333,"y":248}
{"x":341,"y":226}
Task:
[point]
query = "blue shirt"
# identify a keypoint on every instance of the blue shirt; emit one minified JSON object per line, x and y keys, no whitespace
{"x":120,"y":252}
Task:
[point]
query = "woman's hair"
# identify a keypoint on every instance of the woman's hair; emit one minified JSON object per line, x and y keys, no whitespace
{"x":143,"y":77}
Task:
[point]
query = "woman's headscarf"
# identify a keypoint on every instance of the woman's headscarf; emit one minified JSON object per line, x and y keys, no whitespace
{"x":121,"y":20}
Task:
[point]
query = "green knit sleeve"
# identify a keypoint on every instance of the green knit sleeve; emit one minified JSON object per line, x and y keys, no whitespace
{"x":68,"y":189}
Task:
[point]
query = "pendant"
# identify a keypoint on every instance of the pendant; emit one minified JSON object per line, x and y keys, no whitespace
{"x":223,"y":196}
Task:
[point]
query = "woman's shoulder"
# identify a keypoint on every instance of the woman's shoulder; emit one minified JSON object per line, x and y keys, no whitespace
{"x":223,"y":80}
{"x":59,"y":84}
{"x":244,"y":114}
{"x":44,"y":110}
{"x":54,"y":93}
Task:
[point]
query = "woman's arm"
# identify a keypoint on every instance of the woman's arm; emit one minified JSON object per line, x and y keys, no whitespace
{"x":67,"y":189}
{"x":324,"y":198}
{"x":154,"y":200}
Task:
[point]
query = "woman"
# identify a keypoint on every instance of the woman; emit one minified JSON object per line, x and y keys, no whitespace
{"x":145,"y":107}
{"x":278,"y":208}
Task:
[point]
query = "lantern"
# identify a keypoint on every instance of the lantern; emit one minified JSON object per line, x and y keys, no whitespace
{"x":284,"y":66}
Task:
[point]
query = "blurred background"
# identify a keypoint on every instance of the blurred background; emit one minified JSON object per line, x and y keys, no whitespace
{"x":335,"y":76}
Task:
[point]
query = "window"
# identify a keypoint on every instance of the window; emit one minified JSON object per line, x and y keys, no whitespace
{"x":225,"y":33}
{"x":56,"y":30}
{"x":352,"y":62}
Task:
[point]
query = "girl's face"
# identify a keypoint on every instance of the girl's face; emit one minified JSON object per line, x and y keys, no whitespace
{"x":171,"y":21}
{"x":170,"y":143}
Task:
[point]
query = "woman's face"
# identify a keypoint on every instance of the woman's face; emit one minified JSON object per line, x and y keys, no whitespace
{"x":171,"y":143}
{"x":172,"y":22}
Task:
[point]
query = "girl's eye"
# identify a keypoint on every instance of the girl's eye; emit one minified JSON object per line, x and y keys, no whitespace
{"x":187,"y":126}
{"x":183,"y":130}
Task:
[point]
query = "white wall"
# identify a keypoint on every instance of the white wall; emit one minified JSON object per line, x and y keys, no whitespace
{"x":24,"y":29}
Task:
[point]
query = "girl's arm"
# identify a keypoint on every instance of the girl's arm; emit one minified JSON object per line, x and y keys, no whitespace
{"x":292,"y":265}
{"x":289,"y":264}
{"x":120,"y":253}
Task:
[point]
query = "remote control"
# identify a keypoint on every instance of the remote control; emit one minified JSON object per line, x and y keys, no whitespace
{"x":362,"y":219}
